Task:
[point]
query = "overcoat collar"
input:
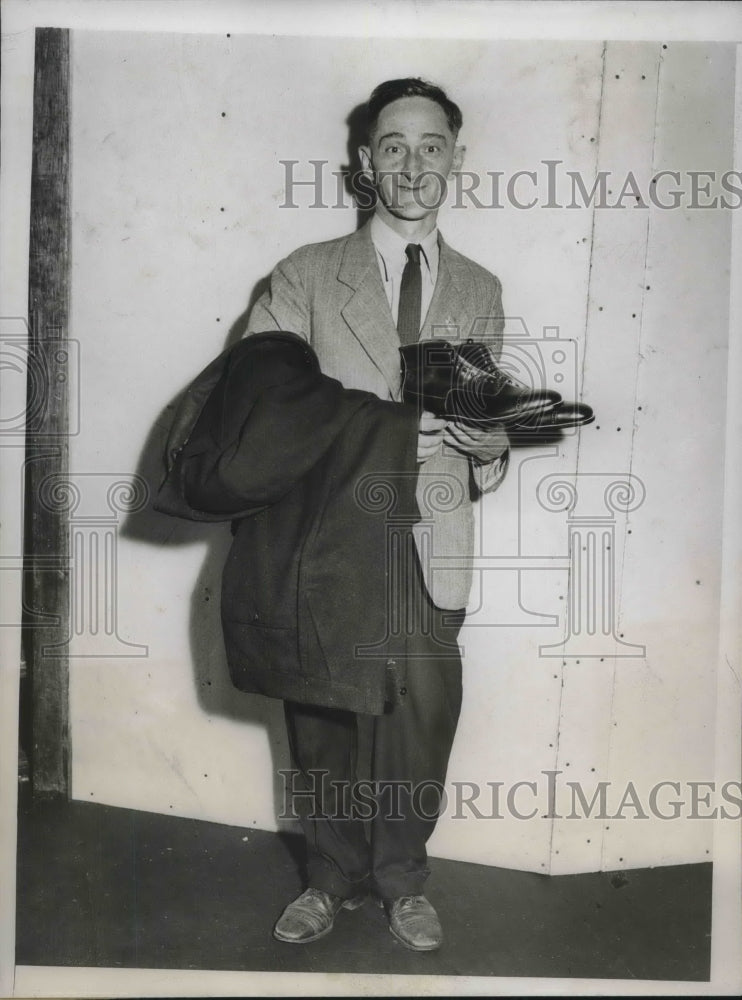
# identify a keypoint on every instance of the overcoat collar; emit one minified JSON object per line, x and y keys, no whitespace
{"x":367,"y":311}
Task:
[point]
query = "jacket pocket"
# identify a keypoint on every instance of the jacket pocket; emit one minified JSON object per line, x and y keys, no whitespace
{"x":254,"y":648}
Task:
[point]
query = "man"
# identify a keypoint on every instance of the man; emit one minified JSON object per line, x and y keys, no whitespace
{"x":356,"y":300}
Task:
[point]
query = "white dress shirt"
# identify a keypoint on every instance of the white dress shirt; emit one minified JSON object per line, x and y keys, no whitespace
{"x":391,"y":258}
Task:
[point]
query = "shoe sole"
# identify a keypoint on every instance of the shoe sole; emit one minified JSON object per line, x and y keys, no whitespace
{"x":457,"y":413}
{"x":314,"y":937}
{"x":348,"y":904}
{"x":517,"y":418}
{"x":412,"y":947}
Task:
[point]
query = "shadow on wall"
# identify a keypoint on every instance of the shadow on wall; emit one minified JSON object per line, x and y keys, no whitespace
{"x":216,"y":694}
{"x":357,"y":136}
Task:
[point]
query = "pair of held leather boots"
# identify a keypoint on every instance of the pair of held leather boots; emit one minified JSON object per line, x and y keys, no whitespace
{"x":465,"y":384}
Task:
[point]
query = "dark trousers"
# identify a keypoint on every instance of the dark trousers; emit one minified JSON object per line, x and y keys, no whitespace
{"x":409,"y":750}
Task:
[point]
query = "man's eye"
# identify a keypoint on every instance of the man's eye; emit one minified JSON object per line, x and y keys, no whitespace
{"x":392,"y":149}
{"x":432,"y":149}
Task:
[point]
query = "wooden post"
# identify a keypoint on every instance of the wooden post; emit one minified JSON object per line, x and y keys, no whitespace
{"x":46,"y":580}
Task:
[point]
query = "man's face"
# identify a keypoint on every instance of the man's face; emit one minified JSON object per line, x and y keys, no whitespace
{"x":410,"y":155}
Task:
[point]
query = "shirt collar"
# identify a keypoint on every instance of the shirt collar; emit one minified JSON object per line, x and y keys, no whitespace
{"x":391,"y":245}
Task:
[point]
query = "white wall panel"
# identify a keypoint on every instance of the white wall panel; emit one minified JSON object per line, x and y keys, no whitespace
{"x":613,"y":318}
{"x":177,"y":216}
{"x":663,"y":711}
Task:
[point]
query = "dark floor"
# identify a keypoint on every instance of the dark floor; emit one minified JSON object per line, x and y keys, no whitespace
{"x":100,"y":886}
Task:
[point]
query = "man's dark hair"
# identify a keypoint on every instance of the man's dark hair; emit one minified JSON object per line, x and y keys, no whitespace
{"x":411,"y":86}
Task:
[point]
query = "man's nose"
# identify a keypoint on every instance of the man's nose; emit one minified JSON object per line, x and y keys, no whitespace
{"x":411,"y":165}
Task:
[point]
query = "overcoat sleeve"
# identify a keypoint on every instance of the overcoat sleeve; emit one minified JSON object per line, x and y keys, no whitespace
{"x":271,"y":418}
{"x":284,"y":305}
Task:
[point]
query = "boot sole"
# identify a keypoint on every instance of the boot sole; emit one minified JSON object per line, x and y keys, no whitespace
{"x":348,"y":904}
{"x":456,"y":413}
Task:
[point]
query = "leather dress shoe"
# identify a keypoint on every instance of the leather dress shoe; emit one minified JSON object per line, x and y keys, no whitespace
{"x":463,"y":383}
{"x":414,"y":922}
{"x":312,"y":915}
{"x":563,"y":415}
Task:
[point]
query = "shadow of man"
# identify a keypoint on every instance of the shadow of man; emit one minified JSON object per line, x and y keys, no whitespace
{"x":215,"y":692}
{"x":357,"y":185}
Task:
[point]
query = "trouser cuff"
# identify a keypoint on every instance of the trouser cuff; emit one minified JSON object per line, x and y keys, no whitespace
{"x":329,"y":880}
{"x":411,"y":884}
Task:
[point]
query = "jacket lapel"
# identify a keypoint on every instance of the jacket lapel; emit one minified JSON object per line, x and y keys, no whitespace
{"x":367,"y":311}
{"x":448,"y":316}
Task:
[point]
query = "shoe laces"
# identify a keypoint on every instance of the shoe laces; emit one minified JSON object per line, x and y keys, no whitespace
{"x":474,"y":379}
{"x":482,"y":360}
{"x":325,"y":898}
{"x":407,"y":902}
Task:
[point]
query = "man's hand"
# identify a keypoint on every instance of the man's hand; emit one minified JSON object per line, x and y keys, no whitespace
{"x":483,"y":444}
{"x":430,"y":436}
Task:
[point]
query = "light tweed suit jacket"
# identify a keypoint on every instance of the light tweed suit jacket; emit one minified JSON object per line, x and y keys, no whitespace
{"x":331,"y":294}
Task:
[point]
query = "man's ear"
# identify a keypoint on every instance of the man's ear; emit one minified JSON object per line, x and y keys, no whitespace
{"x":458,"y":158}
{"x":364,"y":155}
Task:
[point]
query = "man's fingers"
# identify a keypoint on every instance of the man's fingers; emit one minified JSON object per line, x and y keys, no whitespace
{"x":428,"y":445}
{"x":430,"y":424}
{"x":456,"y":433}
{"x":475,"y":435}
{"x":487,"y":442}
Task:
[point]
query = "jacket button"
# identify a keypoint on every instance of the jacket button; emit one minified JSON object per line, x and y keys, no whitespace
{"x":403,"y":690}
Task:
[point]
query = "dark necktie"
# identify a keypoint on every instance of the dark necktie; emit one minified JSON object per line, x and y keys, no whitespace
{"x":410,"y":297}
